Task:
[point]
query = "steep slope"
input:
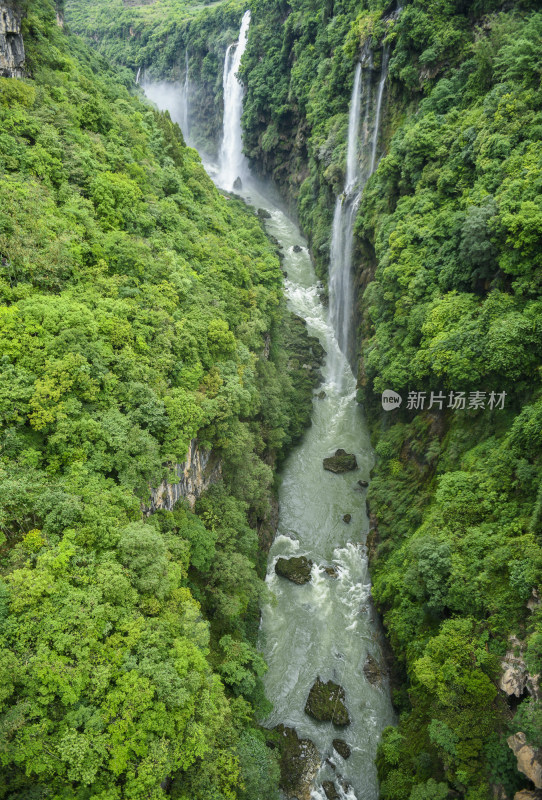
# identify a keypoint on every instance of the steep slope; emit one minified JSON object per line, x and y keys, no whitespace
{"x":141,"y":313}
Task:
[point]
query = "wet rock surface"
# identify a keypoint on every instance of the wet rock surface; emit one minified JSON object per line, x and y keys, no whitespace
{"x":341,"y":462}
{"x":347,"y":518}
{"x":342,"y":748}
{"x":297,"y":248}
{"x":330,"y":790}
{"x":299,"y":763}
{"x":326,"y":703}
{"x":296,"y":569}
{"x":372,"y":671}
{"x":331,"y":571}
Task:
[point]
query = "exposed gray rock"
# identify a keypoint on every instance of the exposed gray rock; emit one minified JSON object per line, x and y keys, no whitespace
{"x":527,"y":794}
{"x":296,"y":569}
{"x":341,"y":462}
{"x":326,"y":703}
{"x":529,"y":758}
{"x":200,"y":470}
{"x":515,"y":677}
{"x":342,"y":748}
{"x":299,"y":763}
{"x":238,"y":184}
{"x":11,"y":41}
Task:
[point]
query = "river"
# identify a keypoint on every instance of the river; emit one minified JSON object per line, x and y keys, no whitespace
{"x":326,"y":627}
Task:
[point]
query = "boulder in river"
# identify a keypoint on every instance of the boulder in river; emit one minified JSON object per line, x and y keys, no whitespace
{"x":330,"y":790}
{"x":263,"y":213}
{"x":297,"y":248}
{"x":342,"y":748}
{"x":296,"y":569}
{"x":237,"y":184}
{"x":326,"y":703}
{"x":299,"y":763}
{"x":363,"y":484}
{"x":347,"y":518}
{"x":372,"y":671}
{"x":331,"y":571}
{"x":341,"y":462}
{"x":321,"y":395}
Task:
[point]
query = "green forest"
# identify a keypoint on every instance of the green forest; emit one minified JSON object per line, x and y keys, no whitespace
{"x":142,"y":309}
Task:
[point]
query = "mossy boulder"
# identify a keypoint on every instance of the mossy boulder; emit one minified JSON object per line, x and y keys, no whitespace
{"x":342,"y":748}
{"x":330,"y":790}
{"x":296,"y":569}
{"x":372,"y":670}
{"x":341,"y":462}
{"x":299,"y":763}
{"x":326,"y":703}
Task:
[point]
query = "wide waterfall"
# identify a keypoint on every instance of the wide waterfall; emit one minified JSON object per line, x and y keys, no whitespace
{"x":359,"y":168}
{"x":232,"y":162}
{"x":327,"y":627}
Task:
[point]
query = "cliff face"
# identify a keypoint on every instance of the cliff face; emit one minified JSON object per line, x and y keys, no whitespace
{"x":200,"y":470}
{"x":11,"y":42}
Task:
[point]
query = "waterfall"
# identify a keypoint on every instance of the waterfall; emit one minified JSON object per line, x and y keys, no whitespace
{"x":383,"y":76}
{"x":341,"y":294}
{"x":138,"y":74}
{"x":232,"y":162}
{"x":184,"y":99}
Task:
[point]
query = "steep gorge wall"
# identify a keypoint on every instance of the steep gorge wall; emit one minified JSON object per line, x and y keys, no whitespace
{"x":11,"y":41}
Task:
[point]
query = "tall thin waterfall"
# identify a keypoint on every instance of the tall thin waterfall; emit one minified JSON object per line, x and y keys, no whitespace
{"x":232,"y":162}
{"x":341,"y":294}
{"x":383,"y":76}
{"x":184,"y":99}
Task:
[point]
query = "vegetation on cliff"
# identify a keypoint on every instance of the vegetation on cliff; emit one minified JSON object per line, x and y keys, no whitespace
{"x":140,"y":308}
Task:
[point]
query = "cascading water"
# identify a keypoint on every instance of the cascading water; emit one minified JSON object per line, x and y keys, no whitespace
{"x":326,"y":627}
{"x":232,"y":162}
{"x":341,"y":294}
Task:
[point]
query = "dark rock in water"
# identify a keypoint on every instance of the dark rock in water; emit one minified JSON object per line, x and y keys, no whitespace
{"x":363,"y":484}
{"x":297,"y":248}
{"x":297,"y":569}
{"x":342,"y":748}
{"x":321,"y":395}
{"x":347,"y":518}
{"x":332,"y":571}
{"x":326,"y":703}
{"x":331,"y":764}
{"x":341,"y":462}
{"x":330,"y":791}
{"x":237,"y":184}
{"x":263,"y":213}
{"x":299,"y":763}
{"x":372,"y":671}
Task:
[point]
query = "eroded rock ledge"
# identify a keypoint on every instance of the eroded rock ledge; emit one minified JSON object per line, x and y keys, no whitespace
{"x":11,"y":41}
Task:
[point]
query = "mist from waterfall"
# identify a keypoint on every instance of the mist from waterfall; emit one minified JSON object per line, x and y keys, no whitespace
{"x":360,"y":164}
{"x":232,"y":162}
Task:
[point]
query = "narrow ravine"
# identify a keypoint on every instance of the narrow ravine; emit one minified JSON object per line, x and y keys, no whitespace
{"x":326,"y":627}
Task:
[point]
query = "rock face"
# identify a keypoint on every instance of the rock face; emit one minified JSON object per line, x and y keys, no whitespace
{"x":515,"y":677}
{"x":11,"y":41}
{"x":326,"y":703}
{"x":200,"y":470}
{"x":297,"y":569}
{"x":372,"y":671}
{"x":527,"y":794}
{"x":299,"y":763}
{"x":341,"y":462}
{"x":529,"y":758}
{"x":342,"y":748}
